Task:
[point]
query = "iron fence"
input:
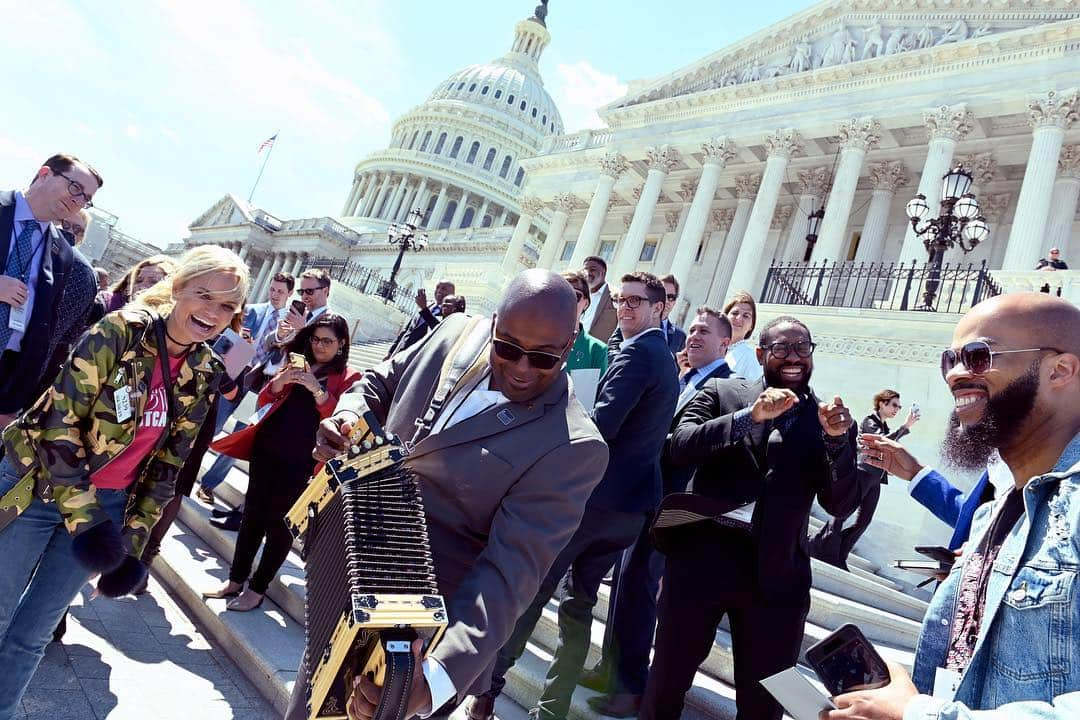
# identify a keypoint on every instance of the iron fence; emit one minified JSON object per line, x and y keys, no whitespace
{"x":950,"y":288}
{"x":365,"y":280}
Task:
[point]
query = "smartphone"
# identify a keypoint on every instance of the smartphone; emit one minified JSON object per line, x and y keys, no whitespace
{"x":297,"y":360}
{"x":936,"y":552}
{"x":299,"y":307}
{"x":234,"y":352}
{"x":915,"y":408}
{"x":846,"y":661}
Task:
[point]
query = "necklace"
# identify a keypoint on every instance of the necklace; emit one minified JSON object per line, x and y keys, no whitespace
{"x":185,"y":346}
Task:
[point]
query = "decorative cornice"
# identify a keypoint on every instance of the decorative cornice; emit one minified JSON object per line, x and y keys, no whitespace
{"x":954,"y":122}
{"x":815,"y":181}
{"x":860,"y":133}
{"x":746,"y":186}
{"x":718,"y":151}
{"x":614,"y":199}
{"x":888,"y":175}
{"x":627,"y":219}
{"x":1069,"y":161}
{"x":671,"y":220}
{"x":613,"y":165}
{"x":982,"y":166}
{"x":531,"y":206}
{"x":688,"y":188}
{"x":781,"y":217}
{"x":877,"y":348}
{"x":722,"y":218}
{"x":662,"y":158}
{"x":993,"y":207}
{"x":783,"y":142}
{"x":566,"y":203}
{"x":1054,"y":109}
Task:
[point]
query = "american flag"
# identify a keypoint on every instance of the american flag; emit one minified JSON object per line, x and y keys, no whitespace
{"x":267,"y":144}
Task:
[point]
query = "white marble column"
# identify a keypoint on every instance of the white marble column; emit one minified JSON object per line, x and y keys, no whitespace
{"x":675,"y":221}
{"x":564,"y":203}
{"x":478,"y":218}
{"x":253,"y":293}
{"x":772,"y":244}
{"x":611,"y":167}
{"x":459,"y":213}
{"x":1050,"y":115}
{"x":780,"y":145}
{"x":944,"y":127}
{"x":439,"y":209}
{"x":813,"y":184}
{"x":857,"y":137}
{"x":407,"y":202}
{"x":275,"y":268}
{"x":380,"y":198}
{"x":746,"y":188}
{"x":243,"y":251}
{"x":354,"y":193}
{"x":362,"y":208}
{"x":661,"y":159}
{"x":701,"y":276}
{"x":994,"y":209}
{"x":368,"y":183}
{"x":503,"y":212}
{"x":530,"y":208}
{"x":716,"y":153}
{"x":297,"y":265}
{"x":1063,"y":203}
{"x":395,"y":203}
{"x":886,"y":178}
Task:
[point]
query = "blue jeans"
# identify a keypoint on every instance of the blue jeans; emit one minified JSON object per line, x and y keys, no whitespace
{"x":39,"y":578}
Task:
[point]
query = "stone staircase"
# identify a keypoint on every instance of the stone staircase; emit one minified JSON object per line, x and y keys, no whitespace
{"x":365,"y":354}
{"x":267,"y":643}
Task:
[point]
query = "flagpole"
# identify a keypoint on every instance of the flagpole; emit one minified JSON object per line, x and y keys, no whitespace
{"x":265,"y":160}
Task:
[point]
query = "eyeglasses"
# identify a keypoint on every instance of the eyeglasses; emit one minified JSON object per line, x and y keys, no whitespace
{"x":310,"y":291}
{"x":895,"y":404}
{"x":323,"y":341}
{"x":779,"y":350}
{"x":76,"y":190}
{"x":512,"y":353}
{"x":73,"y":228}
{"x":978,"y":358}
{"x":579,"y":295}
{"x":672,"y":297}
{"x":630,"y":301}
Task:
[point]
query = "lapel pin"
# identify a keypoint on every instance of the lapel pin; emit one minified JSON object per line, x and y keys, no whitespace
{"x":505,"y":417}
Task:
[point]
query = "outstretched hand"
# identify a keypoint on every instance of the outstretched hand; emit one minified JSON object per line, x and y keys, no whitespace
{"x":835,"y":419}
{"x":889,"y":455}
{"x":366,"y":694}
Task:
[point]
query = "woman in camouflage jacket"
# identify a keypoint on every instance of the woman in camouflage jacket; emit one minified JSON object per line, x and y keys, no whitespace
{"x":89,"y":466}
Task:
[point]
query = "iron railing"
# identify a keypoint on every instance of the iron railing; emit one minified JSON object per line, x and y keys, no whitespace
{"x":951,"y":288}
{"x":364,"y":279}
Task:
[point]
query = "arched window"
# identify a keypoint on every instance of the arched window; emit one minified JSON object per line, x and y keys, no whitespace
{"x":427,"y":139}
{"x":505,"y":166}
{"x":456,"y":147}
{"x":534,"y":112}
{"x":519,"y":177}
{"x":439,"y":144}
{"x":472,"y":88}
{"x":460,"y":85}
{"x":412,"y":143}
{"x":430,"y":207}
{"x":484,"y":90}
{"x":543,"y":120}
{"x":509,"y":99}
{"x":521,"y":107}
{"x":498,"y":93}
{"x":473,"y":150}
{"x":467,"y":218}
{"x":451,"y":208}
{"x":486,"y":222}
{"x":490,"y":159}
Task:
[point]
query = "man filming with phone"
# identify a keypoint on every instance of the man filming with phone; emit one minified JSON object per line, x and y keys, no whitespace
{"x":999,"y":639}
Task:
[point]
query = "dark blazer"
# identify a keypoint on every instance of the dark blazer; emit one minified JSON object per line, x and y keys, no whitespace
{"x":876,"y":425}
{"x":634,"y":406}
{"x":677,"y":477}
{"x":17,"y":388}
{"x":77,"y":310}
{"x":414,"y":331}
{"x":781,"y":473}
{"x":676,"y":340}
{"x":606,"y":318}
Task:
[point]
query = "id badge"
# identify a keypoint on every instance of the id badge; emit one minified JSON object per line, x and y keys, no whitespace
{"x":122,"y":398}
{"x":17,"y":318}
{"x":945,"y":683}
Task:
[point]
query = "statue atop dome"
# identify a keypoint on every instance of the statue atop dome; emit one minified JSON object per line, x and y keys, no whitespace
{"x":540,"y":14}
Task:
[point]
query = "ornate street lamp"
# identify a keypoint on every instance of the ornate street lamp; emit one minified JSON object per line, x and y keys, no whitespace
{"x":813,"y":224}
{"x":959,"y":224}
{"x":406,"y":237}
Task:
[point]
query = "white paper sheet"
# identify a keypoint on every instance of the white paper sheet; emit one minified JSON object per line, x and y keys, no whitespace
{"x":586,"y":380}
{"x":798,"y":695}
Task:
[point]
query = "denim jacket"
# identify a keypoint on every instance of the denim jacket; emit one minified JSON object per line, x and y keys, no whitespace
{"x":1026,"y":664}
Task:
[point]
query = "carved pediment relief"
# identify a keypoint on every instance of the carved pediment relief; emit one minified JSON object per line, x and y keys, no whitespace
{"x":229,"y":210}
{"x":849,"y":31}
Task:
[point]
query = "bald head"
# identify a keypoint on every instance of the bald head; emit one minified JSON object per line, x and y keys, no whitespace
{"x":544,"y":292}
{"x":1036,"y":319}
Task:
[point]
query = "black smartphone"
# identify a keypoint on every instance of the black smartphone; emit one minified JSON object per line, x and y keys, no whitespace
{"x":936,"y":552}
{"x":299,"y":307}
{"x":846,"y":661}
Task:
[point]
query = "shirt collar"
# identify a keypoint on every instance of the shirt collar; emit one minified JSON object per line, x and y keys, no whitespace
{"x":703,"y":372}
{"x":631,"y":340}
{"x":593,"y":294}
{"x":24,"y":213}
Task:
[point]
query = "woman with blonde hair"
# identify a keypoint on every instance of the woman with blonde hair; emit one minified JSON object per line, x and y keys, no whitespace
{"x":741,"y":311}
{"x":145,"y":274}
{"x":89,"y":466}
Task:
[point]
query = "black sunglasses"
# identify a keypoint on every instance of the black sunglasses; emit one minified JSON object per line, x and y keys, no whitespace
{"x":672,"y":296}
{"x":512,"y":353}
{"x":310,"y":291}
{"x":779,"y":350}
{"x":978,"y":358}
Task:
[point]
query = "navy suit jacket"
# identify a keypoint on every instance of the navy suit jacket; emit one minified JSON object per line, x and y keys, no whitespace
{"x":634,"y":405}
{"x":951,"y":505}
{"x":17,"y":388}
{"x":677,"y":477}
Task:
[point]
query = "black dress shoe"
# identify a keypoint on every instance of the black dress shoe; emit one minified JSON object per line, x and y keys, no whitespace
{"x":622,"y":705}
{"x":230,"y":522}
{"x":595,"y":679}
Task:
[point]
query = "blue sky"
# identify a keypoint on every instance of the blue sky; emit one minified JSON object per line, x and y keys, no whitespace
{"x":170,"y":99}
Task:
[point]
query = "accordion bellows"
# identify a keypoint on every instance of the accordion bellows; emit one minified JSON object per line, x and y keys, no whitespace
{"x":371,"y":587}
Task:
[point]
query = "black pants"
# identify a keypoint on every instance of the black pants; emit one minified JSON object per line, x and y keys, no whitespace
{"x":594,"y":548}
{"x":274,"y":486}
{"x":833,"y":543}
{"x":695,"y":597}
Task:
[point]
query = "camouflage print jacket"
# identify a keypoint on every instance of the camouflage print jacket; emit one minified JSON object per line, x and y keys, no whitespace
{"x":72,"y":431}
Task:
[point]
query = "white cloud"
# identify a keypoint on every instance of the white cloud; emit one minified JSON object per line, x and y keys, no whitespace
{"x":580,"y":89}
{"x":22,"y":159}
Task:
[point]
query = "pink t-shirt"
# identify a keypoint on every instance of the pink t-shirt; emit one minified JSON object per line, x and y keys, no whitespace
{"x":120,"y":472}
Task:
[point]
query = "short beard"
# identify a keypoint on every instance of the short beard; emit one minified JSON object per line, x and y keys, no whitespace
{"x":776,"y":380}
{"x":969,"y":448}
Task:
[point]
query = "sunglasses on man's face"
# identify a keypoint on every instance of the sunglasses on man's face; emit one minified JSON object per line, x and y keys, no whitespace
{"x":512,"y":353}
{"x":310,"y":291}
{"x":977,"y":357}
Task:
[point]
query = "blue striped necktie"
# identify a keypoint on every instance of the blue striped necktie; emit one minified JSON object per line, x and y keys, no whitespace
{"x":18,"y":266}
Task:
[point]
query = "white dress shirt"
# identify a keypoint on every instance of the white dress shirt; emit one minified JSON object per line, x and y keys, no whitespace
{"x":696,"y":382}
{"x":589,"y":315}
{"x":38,"y":243}
{"x":633,"y":339}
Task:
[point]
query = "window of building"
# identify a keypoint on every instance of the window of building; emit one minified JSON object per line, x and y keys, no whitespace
{"x":700,"y":250}
{"x":648,"y":251}
{"x":521,"y":107}
{"x":510,"y":100}
{"x":520,"y":177}
{"x":467,"y":218}
{"x":412,"y":143}
{"x":607,"y":250}
{"x":427,"y":139}
{"x":460,"y":85}
{"x":472,"y":88}
{"x":486,"y":222}
{"x":484,"y":90}
{"x":505,"y":170}
{"x":448,"y":215}
{"x":534,"y":112}
{"x":439,"y":144}
{"x":456,"y":147}
{"x":430,"y":208}
{"x":473,"y":150}
{"x":543,"y":120}
{"x":490,"y":159}
{"x":567,"y":251}
{"x":498,"y":94}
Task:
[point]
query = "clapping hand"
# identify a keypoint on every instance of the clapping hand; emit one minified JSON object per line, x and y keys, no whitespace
{"x":835,"y":419}
{"x":772,"y":403}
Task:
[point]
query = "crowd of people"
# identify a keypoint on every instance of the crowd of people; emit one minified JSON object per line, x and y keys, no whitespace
{"x":110,"y":396}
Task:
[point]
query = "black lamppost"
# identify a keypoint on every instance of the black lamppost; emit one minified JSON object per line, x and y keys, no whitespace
{"x":813,"y":225}
{"x":406,"y":237}
{"x":959,"y":224}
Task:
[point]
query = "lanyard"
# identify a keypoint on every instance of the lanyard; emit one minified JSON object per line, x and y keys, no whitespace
{"x":24,"y":271}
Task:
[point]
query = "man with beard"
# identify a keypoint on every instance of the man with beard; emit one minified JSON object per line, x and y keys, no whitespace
{"x":769,"y":447}
{"x":999,"y":640}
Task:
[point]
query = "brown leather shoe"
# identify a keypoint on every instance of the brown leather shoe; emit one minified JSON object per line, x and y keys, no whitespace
{"x":622,"y":705}
{"x":480,"y":708}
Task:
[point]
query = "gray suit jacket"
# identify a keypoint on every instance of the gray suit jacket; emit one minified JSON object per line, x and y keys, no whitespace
{"x":503,"y":492}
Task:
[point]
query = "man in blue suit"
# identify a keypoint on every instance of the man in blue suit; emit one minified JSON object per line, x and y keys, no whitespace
{"x":634,"y":406}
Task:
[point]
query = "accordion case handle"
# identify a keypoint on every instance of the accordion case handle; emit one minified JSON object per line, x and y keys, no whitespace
{"x":399,"y":672}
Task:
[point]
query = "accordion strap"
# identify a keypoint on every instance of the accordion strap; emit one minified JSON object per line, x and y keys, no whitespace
{"x":464,"y":355}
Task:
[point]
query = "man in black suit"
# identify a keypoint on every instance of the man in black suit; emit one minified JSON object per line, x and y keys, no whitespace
{"x":426,"y":319}
{"x":35,"y":262}
{"x":673,"y":334}
{"x":770,"y":446}
{"x":634,"y":406}
{"x":624,"y":666}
